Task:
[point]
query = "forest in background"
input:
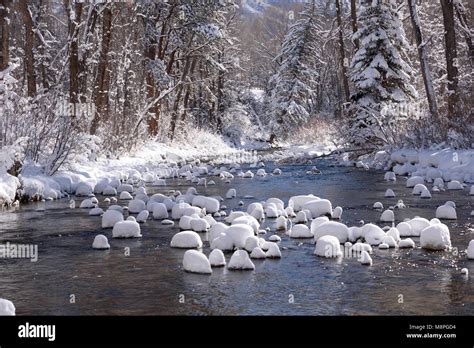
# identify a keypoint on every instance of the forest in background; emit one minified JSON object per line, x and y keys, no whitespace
{"x":103,"y":77}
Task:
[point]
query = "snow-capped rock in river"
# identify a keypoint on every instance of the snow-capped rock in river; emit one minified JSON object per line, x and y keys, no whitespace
{"x":100,"y":242}
{"x":143,"y":216}
{"x":124,"y":195}
{"x":319,"y":207}
{"x":231,"y":193}
{"x":196,"y":262}
{"x":373,"y":234}
{"x":126,"y":229}
{"x":378,"y":206}
{"x":239,"y":234}
{"x":87,"y":204}
{"x":328,"y":246}
{"x":211,"y":204}
{"x":331,"y":228}
{"x":414,"y":180}
{"x":446,"y":212}
{"x":135,"y":206}
{"x":455,"y":185}
{"x":389,"y":193}
{"x":7,"y":308}
{"x":387,"y":216}
{"x":273,"y":251}
{"x":160,"y":211}
{"x":417,"y":225}
{"x":435,"y":237}
{"x":300,"y":231}
{"x":470,"y":250}
{"x":186,"y":240}
{"x":365,"y":258}
{"x":216,"y":258}
{"x":240,"y":260}
{"x":251,"y":243}
{"x":406,"y":243}
{"x":96,"y":212}
{"x":258,"y":253}
{"x":337,"y":213}
{"x":390,"y":176}
{"x":110,"y":218}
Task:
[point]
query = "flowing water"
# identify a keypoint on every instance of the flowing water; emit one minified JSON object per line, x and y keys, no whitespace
{"x":70,"y":278}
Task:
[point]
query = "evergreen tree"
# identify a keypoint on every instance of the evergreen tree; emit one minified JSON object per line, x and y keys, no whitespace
{"x":293,"y":86}
{"x":380,"y":72}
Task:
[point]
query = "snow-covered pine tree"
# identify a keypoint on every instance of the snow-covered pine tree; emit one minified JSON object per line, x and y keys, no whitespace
{"x":380,"y":71}
{"x":293,"y":86}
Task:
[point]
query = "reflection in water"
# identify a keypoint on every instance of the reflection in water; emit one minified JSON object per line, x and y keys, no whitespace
{"x":151,"y":281}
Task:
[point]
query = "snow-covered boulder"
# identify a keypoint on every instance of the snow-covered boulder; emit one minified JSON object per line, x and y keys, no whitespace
{"x":125,"y":188}
{"x":328,"y":246}
{"x":360,"y":247}
{"x":234,"y":215}
{"x":200,"y":225}
{"x":216,"y":230}
{"x":337,"y":213}
{"x":196,"y":262}
{"x":160,"y":211}
{"x":417,"y":225}
{"x":301,"y":218}
{"x":455,"y":185}
{"x":297,"y":202}
{"x":135,"y":206}
{"x":418,"y":189}
{"x":446,"y":212}
{"x":110,"y":218}
{"x":394,"y":233}
{"x":389,"y":193}
{"x":373,"y":234}
{"x":425,"y":193}
{"x":331,"y":228}
{"x":96,"y":212}
{"x":365,"y":258}
{"x":301,"y":231}
{"x":231,"y":193}
{"x":258,"y":253}
{"x":390,"y":176}
{"x":273,"y":251}
{"x":261,"y":172}
{"x":187,"y":240}
{"x":84,"y":189}
{"x":248,"y":220}
{"x":211,"y":205}
{"x":435,"y":237}
{"x":100,"y":242}
{"x":124,"y":195}
{"x":109,"y":191}
{"x":412,"y":181}
{"x":389,"y":241}
{"x":274,"y":238}
{"x":216,"y":258}
{"x":143,"y":216}
{"x":251,"y":243}
{"x":126,"y":229}
{"x":178,"y":210}
{"x":387,"y":216}
{"x":222,"y":242}
{"x":276,"y":171}
{"x":239,"y":234}
{"x":240,"y":260}
{"x":87,"y":204}
{"x":319,"y":207}
{"x":7,"y":308}
{"x":281,"y":223}
{"x":271,"y":211}
{"x":378,"y":206}
{"x":248,"y":174}
{"x":406,"y":243}
{"x":470,"y":250}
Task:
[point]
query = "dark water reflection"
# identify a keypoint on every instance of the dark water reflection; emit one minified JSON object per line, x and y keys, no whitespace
{"x":151,"y":281}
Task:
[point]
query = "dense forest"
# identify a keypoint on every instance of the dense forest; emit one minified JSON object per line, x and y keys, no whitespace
{"x":102,"y":77}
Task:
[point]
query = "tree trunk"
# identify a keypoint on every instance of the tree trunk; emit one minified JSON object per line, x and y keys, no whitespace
{"x":101,"y":85}
{"x":425,"y":70}
{"x":354,"y":21}
{"x":451,"y":56}
{"x":342,"y":53}
{"x":29,"y":43}
{"x":73,"y":52}
{"x":5,"y":28}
